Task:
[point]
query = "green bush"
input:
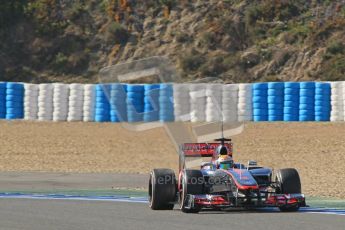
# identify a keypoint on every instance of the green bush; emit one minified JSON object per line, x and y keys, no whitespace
{"x":116,"y":33}
{"x":336,"y":47}
{"x":333,"y":69}
{"x":60,"y":62}
{"x":191,"y":62}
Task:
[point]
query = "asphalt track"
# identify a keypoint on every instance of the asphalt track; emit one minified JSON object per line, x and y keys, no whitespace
{"x":49,"y":212}
{"x":58,"y":214}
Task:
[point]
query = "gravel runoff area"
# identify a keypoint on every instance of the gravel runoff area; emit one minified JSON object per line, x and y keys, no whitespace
{"x":317,"y":150}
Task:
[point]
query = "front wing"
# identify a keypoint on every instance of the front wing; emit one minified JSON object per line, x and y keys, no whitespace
{"x":223,"y":202}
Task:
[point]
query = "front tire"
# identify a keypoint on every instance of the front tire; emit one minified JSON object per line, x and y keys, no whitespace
{"x":288,"y":182}
{"x":162,"y":189}
{"x":192,"y":183}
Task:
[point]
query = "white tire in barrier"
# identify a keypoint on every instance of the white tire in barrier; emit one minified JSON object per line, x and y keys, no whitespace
{"x":194,"y":95}
{"x":231,"y":87}
{"x":230,"y":94}
{"x":336,"y":84}
{"x":30,"y":87}
{"x":245,"y":87}
{"x":197,"y":87}
{"x":76,"y":86}
{"x":244,"y":118}
{"x":45,"y":87}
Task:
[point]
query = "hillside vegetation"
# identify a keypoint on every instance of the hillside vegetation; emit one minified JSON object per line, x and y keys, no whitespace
{"x":236,"y":40}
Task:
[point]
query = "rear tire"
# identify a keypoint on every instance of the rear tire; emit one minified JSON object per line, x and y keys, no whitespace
{"x":162,"y":189}
{"x":192,"y":183}
{"x":288,"y":182}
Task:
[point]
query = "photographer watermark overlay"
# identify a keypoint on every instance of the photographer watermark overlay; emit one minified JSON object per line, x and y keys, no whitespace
{"x":159,"y":70}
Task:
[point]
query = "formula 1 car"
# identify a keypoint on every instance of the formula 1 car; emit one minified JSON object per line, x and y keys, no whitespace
{"x":210,"y":187}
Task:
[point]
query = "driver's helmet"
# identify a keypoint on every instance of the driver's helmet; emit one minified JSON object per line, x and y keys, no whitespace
{"x":224,"y":162}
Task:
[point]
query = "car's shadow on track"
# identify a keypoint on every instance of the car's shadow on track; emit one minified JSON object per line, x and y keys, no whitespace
{"x":236,"y":211}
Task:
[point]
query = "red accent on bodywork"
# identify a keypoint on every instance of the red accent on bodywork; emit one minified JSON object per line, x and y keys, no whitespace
{"x":212,"y":201}
{"x":203,"y":149}
{"x":239,"y":186}
{"x":279,"y":200}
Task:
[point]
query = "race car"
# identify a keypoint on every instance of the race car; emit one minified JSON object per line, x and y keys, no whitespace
{"x":221,"y":184}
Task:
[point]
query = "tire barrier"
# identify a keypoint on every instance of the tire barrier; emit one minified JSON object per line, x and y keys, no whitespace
{"x":291,"y":101}
{"x":30,"y":101}
{"x":2,"y":100}
{"x":274,"y":101}
{"x":229,"y":101}
{"x":337,"y":101}
{"x":260,"y":102}
{"x":45,"y":102}
{"x":76,"y":102}
{"x":151,"y":103}
{"x":197,"y":93}
{"x":60,"y":102}
{"x":14,"y":101}
{"x":181,"y":102}
{"x":135,"y":103}
{"x":89,"y":103}
{"x":102,"y":105}
{"x":307,"y":101}
{"x":322,"y":101}
{"x":166,"y":103}
{"x":214,"y":95}
{"x":245,"y":107}
{"x":118,"y":106}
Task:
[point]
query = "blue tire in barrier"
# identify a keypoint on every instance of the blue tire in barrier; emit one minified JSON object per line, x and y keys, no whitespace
{"x":260,"y":86}
{"x":275,"y":92}
{"x":306,"y":118}
{"x":306,"y":112}
{"x":15,"y":92}
{"x":259,"y":99}
{"x":291,"y":98}
{"x":135,"y":88}
{"x":260,"y":112}
{"x":14,"y":104}
{"x":291,"y":110}
{"x":291,"y":91}
{"x":322,"y":118}
{"x":260,"y":105}
{"x":322,"y":98}
{"x":289,"y":117}
{"x":292,"y":85}
{"x":149,"y":87}
{"x":276,"y":85}
{"x":10,"y":116}
{"x":323,"y":85}
{"x":14,"y":86}
{"x":260,"y":118}
{"x":276,"y":106}
{"x":326,"y":103}
{"x":307,"y":85}
{"x":294,"y":104}
{"x":306,"y":93}
{"x":151,"y":118}
{"x":320,"y":91}
{"x":275,"y":118}
{"x":322,"y":108}
{"x":306,"y":106}
{"x":14,"y":98}
{"x":275,"y":99}
{"x":274,"y":112}
{"x":306,"y":100}
{"x":260,"y":93}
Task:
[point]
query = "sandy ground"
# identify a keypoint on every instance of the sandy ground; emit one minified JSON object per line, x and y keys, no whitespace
{"x":317,"y":150}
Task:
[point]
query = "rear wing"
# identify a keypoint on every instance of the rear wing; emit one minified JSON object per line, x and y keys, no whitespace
{"x":202,"y":149}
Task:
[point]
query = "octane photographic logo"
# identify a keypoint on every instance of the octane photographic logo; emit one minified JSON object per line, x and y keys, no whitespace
{"x":160,"y":70}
